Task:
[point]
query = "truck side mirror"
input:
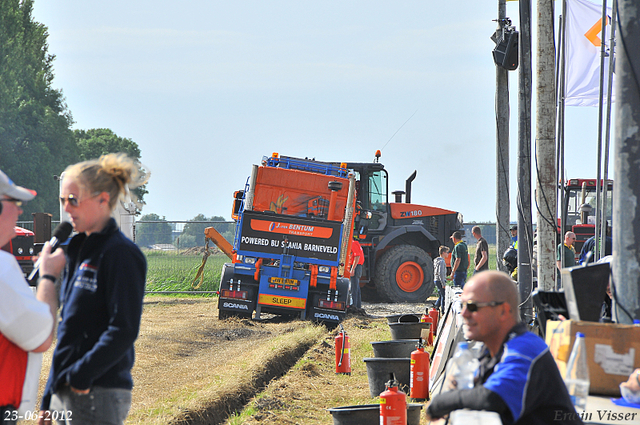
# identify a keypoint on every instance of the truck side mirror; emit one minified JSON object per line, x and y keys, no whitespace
{"x":238,"y":195}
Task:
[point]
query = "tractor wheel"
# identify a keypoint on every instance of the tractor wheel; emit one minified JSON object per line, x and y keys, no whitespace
{"x":405,"y":274}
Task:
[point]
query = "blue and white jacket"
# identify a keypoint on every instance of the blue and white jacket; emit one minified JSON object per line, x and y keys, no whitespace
{"x":521,"y":382}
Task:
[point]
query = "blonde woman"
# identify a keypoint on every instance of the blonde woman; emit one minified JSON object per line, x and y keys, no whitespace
{"x":101,"y":296}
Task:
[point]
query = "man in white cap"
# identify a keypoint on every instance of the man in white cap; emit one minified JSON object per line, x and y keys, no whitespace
{"x":26,"y":321}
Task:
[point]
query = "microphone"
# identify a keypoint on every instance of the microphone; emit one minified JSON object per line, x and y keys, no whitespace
{"x":60,"y":235}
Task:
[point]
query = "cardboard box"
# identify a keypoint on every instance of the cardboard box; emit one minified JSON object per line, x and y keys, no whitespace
{"x":613,"y":351}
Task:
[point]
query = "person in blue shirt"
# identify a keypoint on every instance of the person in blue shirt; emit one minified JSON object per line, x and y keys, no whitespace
{"x":518,"y":377}
{"x":101,"y":296}
{"x":459,"y":260}
{"x":587,"y":254}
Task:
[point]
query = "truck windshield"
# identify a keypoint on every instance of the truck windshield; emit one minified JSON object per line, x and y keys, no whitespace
{"x":378,"y":190}
{"x":574,"y":202}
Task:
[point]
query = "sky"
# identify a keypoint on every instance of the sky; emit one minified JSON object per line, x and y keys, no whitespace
{"x":207,"y":88}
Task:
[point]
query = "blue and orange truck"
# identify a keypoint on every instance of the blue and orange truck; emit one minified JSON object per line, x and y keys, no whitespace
{"x":295,"y":220}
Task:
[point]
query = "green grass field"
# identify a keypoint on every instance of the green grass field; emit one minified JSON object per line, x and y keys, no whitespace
{"x":175,"y":272}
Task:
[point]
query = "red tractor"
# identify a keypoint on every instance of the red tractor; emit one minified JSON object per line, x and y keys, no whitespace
{"x":22,"y":248}
{"x":579,"y":205}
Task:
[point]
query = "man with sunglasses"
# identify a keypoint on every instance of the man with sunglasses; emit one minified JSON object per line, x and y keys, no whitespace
{"x":517,"y":378}
{"x":26,"y":321}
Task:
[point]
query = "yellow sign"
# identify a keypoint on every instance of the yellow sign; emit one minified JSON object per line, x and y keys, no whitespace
{"x":280,"y":301}
{"x":283,"y":281}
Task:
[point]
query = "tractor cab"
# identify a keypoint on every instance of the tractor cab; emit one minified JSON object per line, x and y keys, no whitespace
{"x":579,"y":199}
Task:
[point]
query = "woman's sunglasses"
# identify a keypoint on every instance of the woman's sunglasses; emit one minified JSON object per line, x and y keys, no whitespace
{"x":75,"y":201}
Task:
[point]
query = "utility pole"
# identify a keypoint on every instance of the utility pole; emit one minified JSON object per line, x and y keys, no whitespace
{"x":546,"y":184}
{"x":626,"y":208}
{"x":525,"y":230}
{"x":503,"y":237}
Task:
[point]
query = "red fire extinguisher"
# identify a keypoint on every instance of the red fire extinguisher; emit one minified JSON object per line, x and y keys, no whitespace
{"x":393,"y":404}
{"x":426,"y":318}
{"x":343,"y":354}
{"x":434,"y":316}
{"x":425,"y":315}
{"x":419,"y":378}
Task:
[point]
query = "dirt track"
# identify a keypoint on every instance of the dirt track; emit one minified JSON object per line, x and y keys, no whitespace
{"x":193,"y":368}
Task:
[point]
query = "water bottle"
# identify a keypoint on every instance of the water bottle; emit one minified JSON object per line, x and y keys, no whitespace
{"x":463,"y":366}
{"x":577,"y":376}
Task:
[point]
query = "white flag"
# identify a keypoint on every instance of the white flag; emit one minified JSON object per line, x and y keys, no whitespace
{"x":583,"y":44}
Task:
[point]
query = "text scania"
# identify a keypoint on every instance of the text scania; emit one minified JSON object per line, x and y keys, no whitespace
{"x":234,"y":305}
{"x":326,"y":316}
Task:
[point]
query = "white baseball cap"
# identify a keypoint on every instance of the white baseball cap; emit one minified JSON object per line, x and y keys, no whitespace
{"x":9,"y":188}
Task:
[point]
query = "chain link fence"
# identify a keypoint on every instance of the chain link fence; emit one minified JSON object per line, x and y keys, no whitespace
{"x":174,"y":251}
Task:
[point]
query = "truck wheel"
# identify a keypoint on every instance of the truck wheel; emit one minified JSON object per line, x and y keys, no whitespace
{"x":405,"y":274}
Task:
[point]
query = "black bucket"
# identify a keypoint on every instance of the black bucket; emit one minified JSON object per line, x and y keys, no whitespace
{"x":368,"y":414}
{"x":379,"y":369}
{"x":409,"y":330}
{"x":409,"y":318}
{"x":395,"y":318}
{"x":397,"y":348}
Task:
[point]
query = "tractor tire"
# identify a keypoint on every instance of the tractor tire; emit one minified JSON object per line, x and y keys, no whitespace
{"x":405,"y":274}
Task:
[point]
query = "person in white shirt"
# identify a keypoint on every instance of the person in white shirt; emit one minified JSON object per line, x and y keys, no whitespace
{"x":26,"y":320}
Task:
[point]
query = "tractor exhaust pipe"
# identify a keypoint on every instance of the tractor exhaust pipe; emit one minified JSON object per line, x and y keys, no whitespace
{"x":248,"y":203}
{"x":407,"y":188}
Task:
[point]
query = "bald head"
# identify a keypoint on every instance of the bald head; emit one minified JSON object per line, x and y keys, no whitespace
{"x":499,"y":287}
{"x":569,"y":238}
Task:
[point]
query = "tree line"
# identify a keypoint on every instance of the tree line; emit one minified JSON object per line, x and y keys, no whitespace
{"x":36,"y":139}
{"x":151,"y":229}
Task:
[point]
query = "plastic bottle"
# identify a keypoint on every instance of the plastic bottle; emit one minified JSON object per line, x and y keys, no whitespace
{"x":577,"y":376}
{"x":463,"y":366}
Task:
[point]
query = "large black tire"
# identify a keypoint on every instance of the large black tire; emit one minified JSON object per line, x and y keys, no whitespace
{"x":405,"y":274}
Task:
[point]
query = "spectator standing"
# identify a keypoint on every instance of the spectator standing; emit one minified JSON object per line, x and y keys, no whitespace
{"x":357,"y":260}
{"x":587,"y":252}
{"x":481,"y":258}
{"x":440,"y":275}
{"x":101,"y":297}
{"x":459,"y":260}
{"x":514,"y":236}
{"x":569,"y":251}
{"x":518,"y":377}
{"x":26,"y":321}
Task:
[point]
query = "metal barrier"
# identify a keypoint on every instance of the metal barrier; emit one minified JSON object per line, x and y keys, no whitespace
{"x":174,"y":251}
